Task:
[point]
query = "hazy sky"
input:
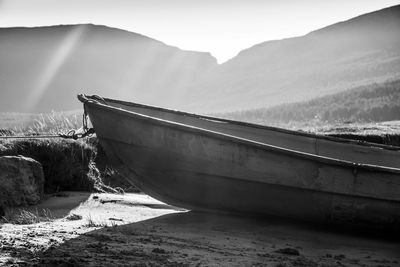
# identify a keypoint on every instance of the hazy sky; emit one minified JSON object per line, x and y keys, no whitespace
{"x":222,"y":27}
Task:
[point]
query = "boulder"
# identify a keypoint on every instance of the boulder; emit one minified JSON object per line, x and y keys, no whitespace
{"x":21,"y":181}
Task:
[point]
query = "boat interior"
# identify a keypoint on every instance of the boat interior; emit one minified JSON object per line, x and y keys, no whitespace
{"x":337,"y":148}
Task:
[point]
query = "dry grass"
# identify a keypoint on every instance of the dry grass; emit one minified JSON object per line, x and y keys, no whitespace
{"x":375,"y":128}
{"x":387,"y":133}
{"x":35,"y":124}
{"x":65,"y":162}
{"x":26,"y":216}
{"x":92,"y":223}
{"x":68,"y":165}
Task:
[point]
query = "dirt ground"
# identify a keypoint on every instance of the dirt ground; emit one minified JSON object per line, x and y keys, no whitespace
{"x":136,"y":230}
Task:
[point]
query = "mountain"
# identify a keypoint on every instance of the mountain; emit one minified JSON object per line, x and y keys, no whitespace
{"x":357,"y":52}
{"x":44,"y":68}
{"x":376,"y":102}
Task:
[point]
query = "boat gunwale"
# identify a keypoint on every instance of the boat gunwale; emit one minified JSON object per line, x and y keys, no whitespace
{"x":276,"y":129}
{"x":214,"y":134}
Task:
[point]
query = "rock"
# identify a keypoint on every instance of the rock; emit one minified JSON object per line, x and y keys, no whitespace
{"x":288,"y":251}
{"x":159,"y":251}
{"x":74,"y":217}
{"x":21,"y":181}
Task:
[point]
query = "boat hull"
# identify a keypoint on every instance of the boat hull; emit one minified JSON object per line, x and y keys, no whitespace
{"x":350,"y":150}
{"x":208,"y":192}
{"x":202,"y":170}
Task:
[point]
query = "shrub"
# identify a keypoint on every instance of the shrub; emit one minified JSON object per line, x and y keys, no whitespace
{"x":65,"y":162}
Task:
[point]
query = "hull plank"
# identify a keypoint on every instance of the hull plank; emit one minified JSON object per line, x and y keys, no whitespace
{"x":330,"y":147}
{"x":202,"y":169}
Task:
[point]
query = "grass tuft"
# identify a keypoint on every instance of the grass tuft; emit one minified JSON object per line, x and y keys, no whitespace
{"x":68,"y":165}
{"x":25,"y":216}
{"x":35,"y":124}
{"x":93,"y":223}
{"x":65,"y":162}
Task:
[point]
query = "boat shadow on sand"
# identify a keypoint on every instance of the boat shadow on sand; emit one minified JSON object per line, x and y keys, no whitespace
{"x":203,"y":239}
{"x":54,"y":206}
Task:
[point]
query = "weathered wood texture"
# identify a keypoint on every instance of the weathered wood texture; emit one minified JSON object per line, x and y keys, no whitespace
{"x":196,"y":168}
{"x":373,"y":154}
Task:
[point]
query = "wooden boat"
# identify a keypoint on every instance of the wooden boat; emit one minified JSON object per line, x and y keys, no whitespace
{"x":206,"y":163}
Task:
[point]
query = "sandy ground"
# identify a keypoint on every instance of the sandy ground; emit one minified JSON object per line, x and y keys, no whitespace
{"x":136,"y":230}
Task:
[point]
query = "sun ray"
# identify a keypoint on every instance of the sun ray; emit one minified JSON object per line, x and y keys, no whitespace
{"x":53,"y":65}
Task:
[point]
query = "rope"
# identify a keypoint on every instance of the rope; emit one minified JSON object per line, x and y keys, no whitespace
{"x":75,"y":135}
{"x":72,"y":134}
{"x":29,"y":137}
{"x":69,"y":135}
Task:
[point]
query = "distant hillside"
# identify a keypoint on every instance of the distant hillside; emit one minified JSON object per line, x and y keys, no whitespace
{"x":360,"y":51}
{"x":372,"y":103}
{"x":44,"y":68}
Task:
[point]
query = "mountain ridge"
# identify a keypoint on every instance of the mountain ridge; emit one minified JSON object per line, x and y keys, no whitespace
{"x":107,"y":28}
{"x":393,"y":9}
{"x":324,"y":61}
{"x":378,"y":16}
{"x":57,"y":61}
